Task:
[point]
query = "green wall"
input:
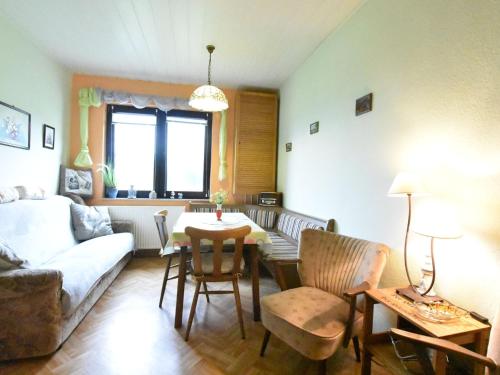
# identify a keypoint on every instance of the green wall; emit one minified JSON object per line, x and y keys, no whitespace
{"x":32,"y":81}
{"x":434,"y":69}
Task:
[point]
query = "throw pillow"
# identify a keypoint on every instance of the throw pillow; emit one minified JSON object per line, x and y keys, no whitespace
{"x":31,"y":192}
{"x":90,"y":222}
{"x":8,"y":194}
{"x":8,"y":259}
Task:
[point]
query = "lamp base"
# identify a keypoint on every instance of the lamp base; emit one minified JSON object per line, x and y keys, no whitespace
{"x":409,"y":293}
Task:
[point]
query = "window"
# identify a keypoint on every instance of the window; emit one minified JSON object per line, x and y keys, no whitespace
{"x":167,"y":152}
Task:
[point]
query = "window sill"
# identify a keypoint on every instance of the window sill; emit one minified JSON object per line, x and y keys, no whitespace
{"x":141,"y":202}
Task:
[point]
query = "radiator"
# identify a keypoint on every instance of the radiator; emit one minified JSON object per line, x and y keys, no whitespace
{"x":145,"y":232}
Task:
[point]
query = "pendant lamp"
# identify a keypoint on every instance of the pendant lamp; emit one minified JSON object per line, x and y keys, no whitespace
{"x":208,"y":98}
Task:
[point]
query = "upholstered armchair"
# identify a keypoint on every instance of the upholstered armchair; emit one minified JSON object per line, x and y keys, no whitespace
{"x":324,"y":313}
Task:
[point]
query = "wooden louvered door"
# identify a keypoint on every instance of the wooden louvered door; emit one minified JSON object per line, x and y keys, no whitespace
{"x":256,"y":139}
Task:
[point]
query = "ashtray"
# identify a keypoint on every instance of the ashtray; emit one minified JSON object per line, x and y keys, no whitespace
{"x":439,"y":312}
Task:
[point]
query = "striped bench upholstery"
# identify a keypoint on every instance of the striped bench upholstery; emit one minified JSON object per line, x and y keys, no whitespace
{"x":280,"y":249}
{"x":292,"y":225}
{"x":262,"y":217}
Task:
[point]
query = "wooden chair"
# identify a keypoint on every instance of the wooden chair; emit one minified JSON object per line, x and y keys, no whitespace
{"x":491,"y":361}
{"x":161,"y":225}
{"x":322,"y":314}
{"x":217,"y":266}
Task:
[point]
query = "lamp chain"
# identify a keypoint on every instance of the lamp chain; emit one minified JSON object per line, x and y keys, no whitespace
{"x":209,"y":68}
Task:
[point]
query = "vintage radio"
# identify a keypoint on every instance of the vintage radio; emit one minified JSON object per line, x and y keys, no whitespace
{"x":270,"y":199}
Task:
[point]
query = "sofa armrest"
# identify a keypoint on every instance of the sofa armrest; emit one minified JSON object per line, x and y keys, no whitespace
{"x":122,"y":226}
{"x":30,"y":316}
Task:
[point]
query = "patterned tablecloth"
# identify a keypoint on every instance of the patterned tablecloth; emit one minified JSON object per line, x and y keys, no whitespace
{"x":208,"y":221}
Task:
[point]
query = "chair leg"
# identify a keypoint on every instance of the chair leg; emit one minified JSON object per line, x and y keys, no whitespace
{"x":267,"y":335}
{"x":355,"y":343}
{"x":165,"y":279}
{"x":322,"y":367}
{"x":193,"y":309}
{"x":206,"y":291}
{"x":238,"y":306}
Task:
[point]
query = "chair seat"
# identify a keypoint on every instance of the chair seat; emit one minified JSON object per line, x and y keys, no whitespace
{"x":207,"y":263}
{"x":308,"y":319}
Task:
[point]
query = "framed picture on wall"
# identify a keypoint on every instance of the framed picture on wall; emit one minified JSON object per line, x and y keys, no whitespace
{"x":49,"y":135}
{"x":15,"y":126}
{"x":76,"y":181}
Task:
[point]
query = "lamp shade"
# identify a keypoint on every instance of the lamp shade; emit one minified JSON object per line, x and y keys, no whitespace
{"x":405,"y":183}
{"x":436,"y":219}
{"x":208,"y":98}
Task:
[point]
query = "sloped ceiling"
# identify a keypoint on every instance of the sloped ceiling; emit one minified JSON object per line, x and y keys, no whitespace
{"x":259,"y":43}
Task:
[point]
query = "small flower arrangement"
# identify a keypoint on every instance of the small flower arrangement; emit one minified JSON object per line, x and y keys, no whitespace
{"x":219,"y":197}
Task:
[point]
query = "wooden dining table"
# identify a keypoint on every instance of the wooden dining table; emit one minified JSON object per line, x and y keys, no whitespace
{"x":208,"y":221}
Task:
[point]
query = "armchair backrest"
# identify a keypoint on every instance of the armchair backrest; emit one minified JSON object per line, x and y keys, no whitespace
{"x":494,"y":343}
{"x":334,"y":263}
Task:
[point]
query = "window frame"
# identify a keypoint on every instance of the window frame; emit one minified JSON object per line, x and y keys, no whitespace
{"x":160,"y":158}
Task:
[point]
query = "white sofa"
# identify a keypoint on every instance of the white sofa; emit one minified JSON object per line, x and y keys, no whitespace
{"x":43,"y":301}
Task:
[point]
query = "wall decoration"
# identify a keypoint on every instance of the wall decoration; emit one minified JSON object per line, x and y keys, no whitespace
{"x":364,"y":104}
{"x":49,"y":135}
{"x":76,"y":181}
{"x":288,"y":147}
{"x":314,"y":127}
{"x":15,"y":126}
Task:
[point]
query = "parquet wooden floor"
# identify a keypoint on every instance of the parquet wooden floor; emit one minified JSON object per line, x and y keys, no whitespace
{"x":126,"y":333}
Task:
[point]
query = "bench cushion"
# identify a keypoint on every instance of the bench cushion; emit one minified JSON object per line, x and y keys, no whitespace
{"x":262,"y":217}
{"x":280,"y":248}
{"x":293,"y":225}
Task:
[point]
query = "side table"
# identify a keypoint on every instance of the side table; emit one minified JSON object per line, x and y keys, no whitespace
{"x":462,"y":331}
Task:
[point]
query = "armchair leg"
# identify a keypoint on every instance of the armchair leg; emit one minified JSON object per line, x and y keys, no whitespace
{"x":165,"y":279}
{"x":267,"y":335}
{"x":322,"y":367}
{"x":355,"y":343}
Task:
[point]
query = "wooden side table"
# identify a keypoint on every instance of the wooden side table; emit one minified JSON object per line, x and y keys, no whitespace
{"x":465,"y":330}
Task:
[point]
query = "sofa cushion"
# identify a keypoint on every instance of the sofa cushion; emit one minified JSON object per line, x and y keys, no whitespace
{"x":83,"y":266}
{"x":310,"y":320}
{"x":293,"y":225}
{"x":262,"y":217}
{"x":279,"y":249}
{"x":37,"y":230}
{"x":90,"y":222}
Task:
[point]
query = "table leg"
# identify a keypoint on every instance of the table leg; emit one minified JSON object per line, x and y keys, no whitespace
{"x":181,"y":281}
{"x":440,"y":363}
{"x":366,"y":359}
{"x":254,"y":270}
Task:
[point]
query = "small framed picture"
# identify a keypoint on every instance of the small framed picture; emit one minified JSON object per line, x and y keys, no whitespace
{"x":49,"y":134}
{"x":288,"y":147}
{"x":364,"y":104}
{"x":314,"y":127}
{"x":15,"y":126}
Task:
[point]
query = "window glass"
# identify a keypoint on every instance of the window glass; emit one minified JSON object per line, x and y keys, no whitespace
{"x":134,"y":150}
{"x":185,"y":154}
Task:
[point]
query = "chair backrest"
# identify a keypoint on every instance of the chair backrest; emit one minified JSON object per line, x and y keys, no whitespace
{"x":161,"y":225}
{"x":334,"y":263}
{"x":217,"y":237}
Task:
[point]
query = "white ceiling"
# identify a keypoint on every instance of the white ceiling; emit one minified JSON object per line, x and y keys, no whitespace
{"x":259,"y":43}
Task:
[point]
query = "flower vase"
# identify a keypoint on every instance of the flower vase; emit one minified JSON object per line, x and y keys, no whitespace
{"x":111,"y":192}
{"x":218,"y":212}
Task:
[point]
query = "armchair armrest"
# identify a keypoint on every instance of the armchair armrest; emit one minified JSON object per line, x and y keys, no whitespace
{"x":278,"y":269}
{"x":122,"y":226}
{"x":444,"y":346}
{"x":352,"y":294}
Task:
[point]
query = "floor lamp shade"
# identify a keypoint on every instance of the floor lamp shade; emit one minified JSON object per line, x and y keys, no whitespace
{"x":405,"y":183}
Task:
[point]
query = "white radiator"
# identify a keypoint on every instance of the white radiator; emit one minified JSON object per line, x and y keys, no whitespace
{"x":145,"y":233}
